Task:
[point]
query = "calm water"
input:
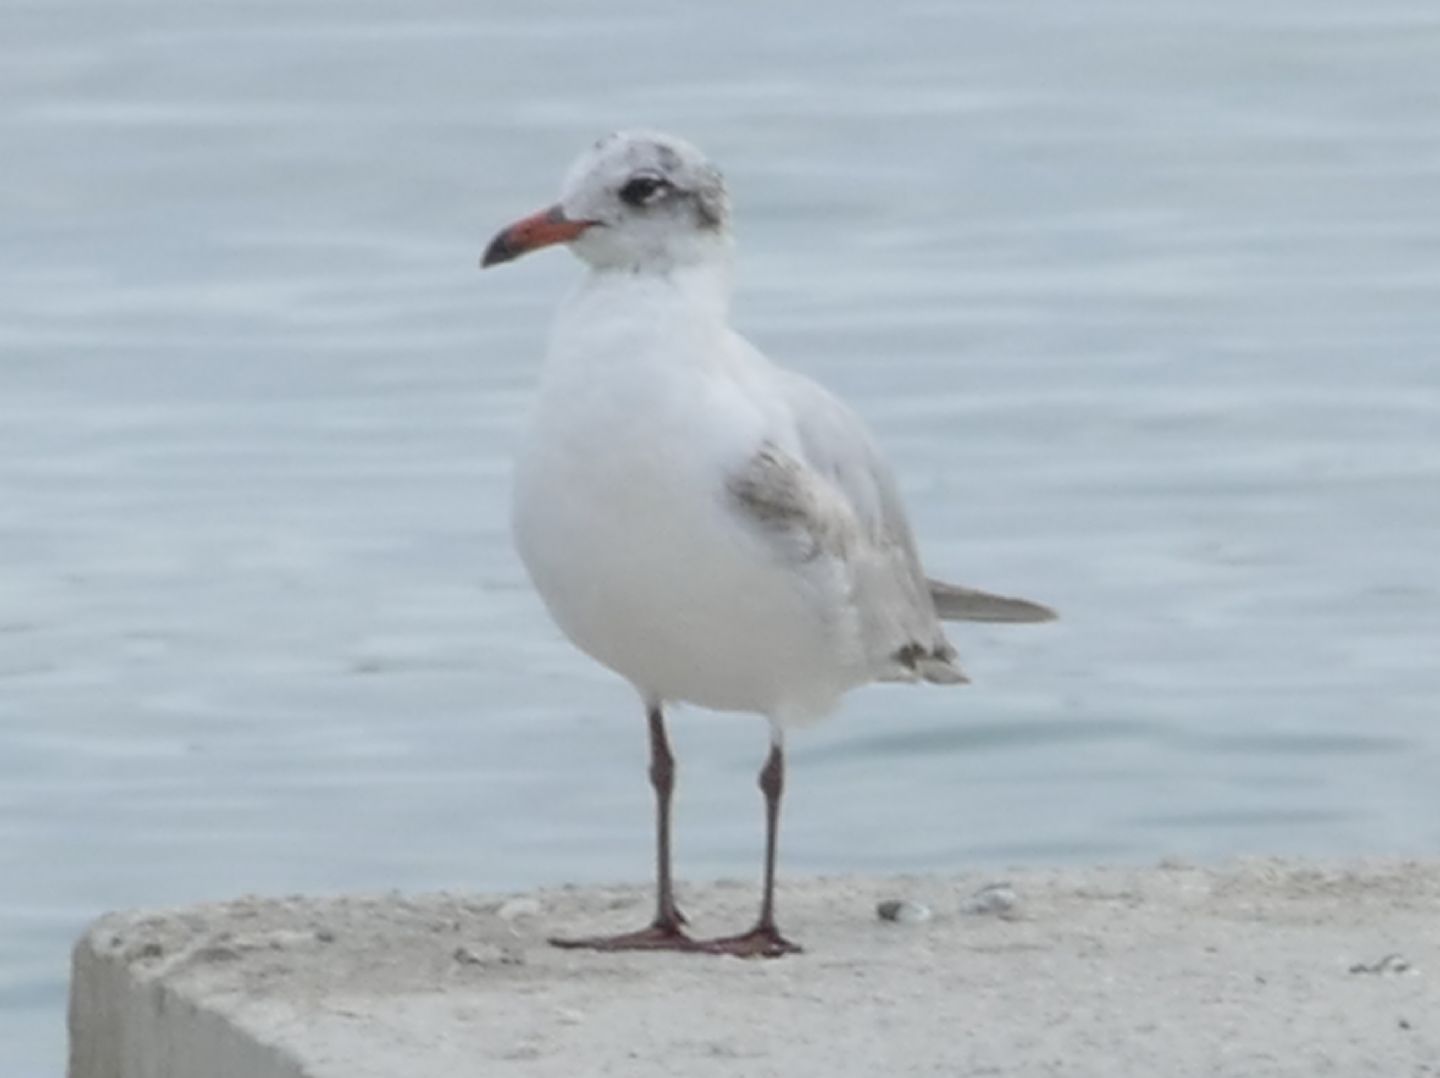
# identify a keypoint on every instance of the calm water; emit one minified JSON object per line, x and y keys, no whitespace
{"x":1143,"y":298}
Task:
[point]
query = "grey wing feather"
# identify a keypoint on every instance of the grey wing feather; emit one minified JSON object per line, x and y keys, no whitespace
{"x":956,"y":603}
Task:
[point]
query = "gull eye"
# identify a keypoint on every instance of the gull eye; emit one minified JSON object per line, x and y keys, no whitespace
{"x":640,"y":190}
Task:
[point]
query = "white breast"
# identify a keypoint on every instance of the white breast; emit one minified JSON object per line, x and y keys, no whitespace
{"x":623,"y":519}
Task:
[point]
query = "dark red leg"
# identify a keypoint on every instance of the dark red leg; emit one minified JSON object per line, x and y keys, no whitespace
{"x":764,"y":940}
{"x":666,"y":931}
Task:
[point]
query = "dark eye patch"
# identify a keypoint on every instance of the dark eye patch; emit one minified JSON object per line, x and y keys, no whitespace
{"x":642,"y":190}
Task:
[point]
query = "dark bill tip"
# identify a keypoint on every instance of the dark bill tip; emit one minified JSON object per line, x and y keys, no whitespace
{"x":549,"y":226}
{"x":500,"y":250}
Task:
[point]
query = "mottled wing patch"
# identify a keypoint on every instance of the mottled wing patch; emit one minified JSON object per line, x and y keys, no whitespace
{"x":778,"y":492}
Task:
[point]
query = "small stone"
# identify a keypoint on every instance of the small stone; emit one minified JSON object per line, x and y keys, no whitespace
{"x":467,"y":956}
{"x":217,"y":952}
{"x":996,"y":899}
{"x":1404,"y":1023}
{"x":487,"y":954}
{"x":1391,"y":963}
{"x":324,"y":935}
{"x":903,"y":911}
{"x":515,"y":908}
{"x":523,"y":1053}
{"x":281,"y":939}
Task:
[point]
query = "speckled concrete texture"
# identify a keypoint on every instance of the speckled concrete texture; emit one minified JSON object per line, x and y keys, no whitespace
{"x":1258,"y":968}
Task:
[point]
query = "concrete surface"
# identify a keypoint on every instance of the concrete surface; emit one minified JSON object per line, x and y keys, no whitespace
{"x":1252,"y":969}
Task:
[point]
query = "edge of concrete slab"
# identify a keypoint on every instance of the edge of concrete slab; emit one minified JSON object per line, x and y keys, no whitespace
{"x":126,"y":1019}
{"x":1264,"y":967}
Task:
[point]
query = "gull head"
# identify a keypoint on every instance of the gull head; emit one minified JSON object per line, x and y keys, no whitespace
{"x":637,"y":201}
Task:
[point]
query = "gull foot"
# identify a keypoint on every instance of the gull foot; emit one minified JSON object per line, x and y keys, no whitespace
{"x":762,"y":941}
{"x":657,"y":937}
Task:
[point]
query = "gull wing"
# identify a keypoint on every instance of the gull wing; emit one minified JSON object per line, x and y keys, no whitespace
{"x":838,"y":446}
{"x":829,"y":493}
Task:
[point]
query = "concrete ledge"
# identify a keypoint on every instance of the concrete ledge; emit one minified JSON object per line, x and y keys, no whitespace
{"x":1260,"y":968}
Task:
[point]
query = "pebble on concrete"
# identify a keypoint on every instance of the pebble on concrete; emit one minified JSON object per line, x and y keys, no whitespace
{"x":903,"y":911}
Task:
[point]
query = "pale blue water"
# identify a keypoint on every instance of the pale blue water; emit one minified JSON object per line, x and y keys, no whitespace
{"x":1143,"y":298}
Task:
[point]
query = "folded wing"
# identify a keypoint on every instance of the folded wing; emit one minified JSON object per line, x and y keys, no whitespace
{"x":837,"y":446}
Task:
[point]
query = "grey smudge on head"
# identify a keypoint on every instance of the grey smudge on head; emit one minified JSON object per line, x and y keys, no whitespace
{"x":712,"y":201}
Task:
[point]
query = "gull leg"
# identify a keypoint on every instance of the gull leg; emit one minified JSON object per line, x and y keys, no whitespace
{"x":764,"y":939}
{"x":666,"y":932}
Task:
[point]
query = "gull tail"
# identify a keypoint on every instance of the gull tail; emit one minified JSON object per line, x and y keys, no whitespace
{"x":954,"y":603}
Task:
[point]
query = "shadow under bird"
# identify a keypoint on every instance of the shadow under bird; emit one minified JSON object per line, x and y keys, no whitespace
{"x":714,"y":528}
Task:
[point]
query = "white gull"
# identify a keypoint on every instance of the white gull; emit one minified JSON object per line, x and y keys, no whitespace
{"x":716,"y":529}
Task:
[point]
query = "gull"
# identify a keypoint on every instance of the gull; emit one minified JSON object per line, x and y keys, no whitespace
{"x":714,"y":528}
